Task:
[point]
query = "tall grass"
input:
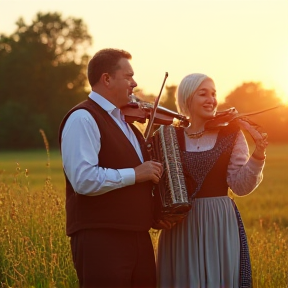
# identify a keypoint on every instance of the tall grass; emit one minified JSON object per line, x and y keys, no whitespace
{"x":35,"y":252}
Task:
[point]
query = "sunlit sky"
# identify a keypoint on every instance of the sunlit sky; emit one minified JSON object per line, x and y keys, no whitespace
{"x":232,"y":41}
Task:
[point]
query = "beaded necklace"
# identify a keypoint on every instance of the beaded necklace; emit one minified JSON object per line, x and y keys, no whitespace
{"x":195,"y":135}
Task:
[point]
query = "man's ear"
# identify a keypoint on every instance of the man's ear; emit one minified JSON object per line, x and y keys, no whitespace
{"x":105,"y":79}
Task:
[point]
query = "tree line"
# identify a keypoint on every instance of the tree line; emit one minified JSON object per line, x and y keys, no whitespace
{"x":43,"y":75}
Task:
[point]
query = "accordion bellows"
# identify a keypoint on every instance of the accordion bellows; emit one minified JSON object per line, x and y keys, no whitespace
{"x":171,"y":196}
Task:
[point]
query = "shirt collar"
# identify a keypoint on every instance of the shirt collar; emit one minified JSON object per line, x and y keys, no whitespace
{"x":102,"y":102}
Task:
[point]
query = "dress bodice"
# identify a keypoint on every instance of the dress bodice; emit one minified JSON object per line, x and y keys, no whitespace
{"x":206,"y":171}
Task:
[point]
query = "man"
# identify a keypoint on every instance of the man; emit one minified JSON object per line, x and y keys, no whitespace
{"x":108,"y":182}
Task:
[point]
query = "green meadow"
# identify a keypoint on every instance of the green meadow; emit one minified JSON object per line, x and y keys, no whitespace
{"x":34,"y":251}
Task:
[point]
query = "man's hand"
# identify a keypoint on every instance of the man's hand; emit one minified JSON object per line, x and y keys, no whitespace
{"x":149,"y":170}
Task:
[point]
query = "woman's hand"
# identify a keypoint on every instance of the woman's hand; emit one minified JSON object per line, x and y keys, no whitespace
{"x":259,"y":137}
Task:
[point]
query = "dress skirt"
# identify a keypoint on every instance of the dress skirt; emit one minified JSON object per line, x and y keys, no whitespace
{"x":203,"y":251}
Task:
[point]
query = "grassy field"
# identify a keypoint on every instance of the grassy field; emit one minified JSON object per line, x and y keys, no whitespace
{"x":34,"y":251}
{"x":40,"y":164}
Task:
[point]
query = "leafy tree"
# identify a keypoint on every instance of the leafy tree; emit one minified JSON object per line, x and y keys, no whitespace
{"x":168,"y":100}
{"x":42,"y":75}
{"x":251,"y":96}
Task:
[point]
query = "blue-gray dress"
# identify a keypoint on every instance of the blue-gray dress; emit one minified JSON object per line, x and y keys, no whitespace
{"x":208,"y":249}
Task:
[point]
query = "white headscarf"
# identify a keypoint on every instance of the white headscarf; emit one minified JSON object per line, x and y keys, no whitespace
{"x":186,"y":90}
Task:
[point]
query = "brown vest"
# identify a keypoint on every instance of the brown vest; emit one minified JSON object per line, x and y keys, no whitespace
{"x":128,"y":208}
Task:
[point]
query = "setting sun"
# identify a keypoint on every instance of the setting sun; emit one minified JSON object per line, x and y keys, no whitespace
{"x":283,"y":95}
{"x":281,"y":84}
{"x":283,"y":81}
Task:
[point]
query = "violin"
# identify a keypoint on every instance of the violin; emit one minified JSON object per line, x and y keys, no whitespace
{"x":223,"y":118}
{"x":140,"y":111}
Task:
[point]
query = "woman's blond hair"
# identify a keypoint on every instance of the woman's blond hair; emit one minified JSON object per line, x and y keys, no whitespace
{"x":186,"y":90}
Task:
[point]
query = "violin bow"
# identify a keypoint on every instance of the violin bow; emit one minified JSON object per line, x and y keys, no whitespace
{"x":256,"y":112}
{"x":152,"y":115}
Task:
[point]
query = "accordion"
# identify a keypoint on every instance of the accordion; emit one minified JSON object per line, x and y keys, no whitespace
{"x":171,"y":203}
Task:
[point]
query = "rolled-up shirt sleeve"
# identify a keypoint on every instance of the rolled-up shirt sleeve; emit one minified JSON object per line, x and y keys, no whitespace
{"x":245,"y":173}
{"x":80,"y":147}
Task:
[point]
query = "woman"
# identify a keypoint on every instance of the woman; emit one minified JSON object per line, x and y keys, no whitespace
{"x":209,"y":247}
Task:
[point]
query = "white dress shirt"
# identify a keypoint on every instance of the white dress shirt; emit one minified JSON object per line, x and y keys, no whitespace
{"x":80,"y":147}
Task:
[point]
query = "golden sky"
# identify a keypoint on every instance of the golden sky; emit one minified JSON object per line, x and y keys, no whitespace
{"x":232,"y":41}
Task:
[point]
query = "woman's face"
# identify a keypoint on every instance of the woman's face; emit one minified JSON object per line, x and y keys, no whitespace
{"x":203,"y":104}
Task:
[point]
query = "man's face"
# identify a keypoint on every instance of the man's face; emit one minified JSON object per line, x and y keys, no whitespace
{"x":122,"y":83}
